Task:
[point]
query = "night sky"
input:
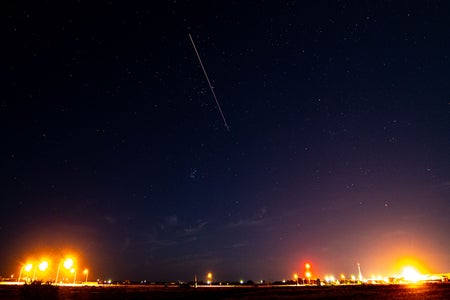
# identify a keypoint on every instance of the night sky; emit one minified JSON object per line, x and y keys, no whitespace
{"x":113,"y":148}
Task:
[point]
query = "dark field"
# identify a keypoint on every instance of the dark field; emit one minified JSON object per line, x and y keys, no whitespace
{"x":395,"y":292}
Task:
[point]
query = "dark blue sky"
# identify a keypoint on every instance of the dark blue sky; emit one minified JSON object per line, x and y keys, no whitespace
{"x":112,"y":146}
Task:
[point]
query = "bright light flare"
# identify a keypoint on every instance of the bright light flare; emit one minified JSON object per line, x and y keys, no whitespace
{"x":68,"y":263}
{"x":43,"y":266}
{"x":28,"y":267}
{"x":411,"y":274}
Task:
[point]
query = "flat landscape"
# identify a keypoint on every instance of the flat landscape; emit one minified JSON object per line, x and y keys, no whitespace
{"x":367,"y":292}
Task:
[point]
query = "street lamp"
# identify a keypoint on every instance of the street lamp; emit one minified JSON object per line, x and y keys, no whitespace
{"x":67,"y":263}
{"x":308,"y":275}
{"x":42,"y":267}
{"x":308,"y":272}
{"x":210,"y":278}
{"x":86,"y":272}
{"x":27,"y":269}
{"x":296,"y":278}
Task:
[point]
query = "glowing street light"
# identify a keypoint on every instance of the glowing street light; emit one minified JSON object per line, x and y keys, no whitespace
{"x":43,"y":266}
{"x":307,"y":271}
{"x":27,"y":269}
{"x":67,"y":263}
{"x":209,"y":278}
{"x":308,"y":275}
{"x":86,"y":272}
{"x":296,"y":278}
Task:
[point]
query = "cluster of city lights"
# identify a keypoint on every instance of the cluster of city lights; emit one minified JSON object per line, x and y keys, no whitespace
{"x":409,"y":274}
{"x":63,"y":272}
{"x":330,"y":279}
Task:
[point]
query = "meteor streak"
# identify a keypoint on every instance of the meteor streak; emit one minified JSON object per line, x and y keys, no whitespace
{"x":209,"y":83}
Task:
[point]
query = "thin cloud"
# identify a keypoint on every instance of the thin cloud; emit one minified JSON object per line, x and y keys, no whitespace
{"x":240,"y":245}
{"x":195,"y":229}
{"x":258,"y":219}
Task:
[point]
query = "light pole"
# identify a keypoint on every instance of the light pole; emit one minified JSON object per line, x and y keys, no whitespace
{"x":74,"y":271}
{"x":20,"y":273}
{"x":57,"y":273}
{"x":86,"y":272}
{"x":296,"y":278}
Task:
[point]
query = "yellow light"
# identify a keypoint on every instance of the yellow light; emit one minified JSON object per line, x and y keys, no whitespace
{"x":68,"y":263}
{"x":28,"y":267}
{"x":307,"y":266}
{"x":209,"y":275}
{"x":43,"y":265}
{"x":86,"y":272}
{"x":295,"y":276}
{"x":308,"y":274}
{"x":411,"y":274}
{"x":415,"y":263}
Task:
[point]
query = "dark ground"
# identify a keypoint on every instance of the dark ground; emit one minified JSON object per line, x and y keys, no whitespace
{"x":395,"y":292}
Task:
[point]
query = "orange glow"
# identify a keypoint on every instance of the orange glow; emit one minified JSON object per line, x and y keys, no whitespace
{"x":411,"y":264}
